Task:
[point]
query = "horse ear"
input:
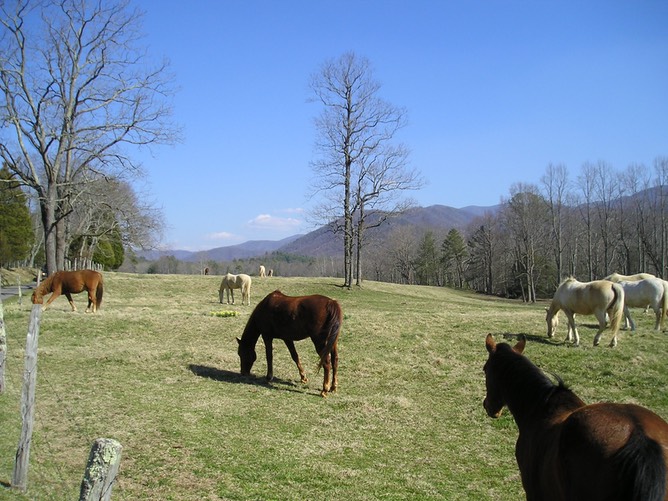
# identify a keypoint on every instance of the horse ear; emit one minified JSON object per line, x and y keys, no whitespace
{"x":490,"y":344}
{"x":519,"y":347}
{"x":238,"y":340}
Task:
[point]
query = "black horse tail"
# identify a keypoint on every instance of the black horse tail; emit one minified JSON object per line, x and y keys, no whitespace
{"x":98,"y":292}
{"x":333,"y":327}
{"x":643,"y":467}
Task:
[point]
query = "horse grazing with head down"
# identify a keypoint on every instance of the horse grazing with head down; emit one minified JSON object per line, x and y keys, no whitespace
{"x":231,"y":282}
{"x":570,"y":451}
{"x":68,"y":283}
{"x":293,"y":318}
{"x":599,"y":298}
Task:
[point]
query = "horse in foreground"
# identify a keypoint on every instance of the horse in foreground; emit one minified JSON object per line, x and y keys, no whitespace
{"x":641,"y":293}
{"x":68,"y":283}
{"x":231,"y":282}
{"x":570,"y":451}
{"x":599,"y":298}
{"x":293,"y":318}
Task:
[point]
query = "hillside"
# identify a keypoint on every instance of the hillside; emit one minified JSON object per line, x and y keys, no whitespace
{"x":322,"y":242}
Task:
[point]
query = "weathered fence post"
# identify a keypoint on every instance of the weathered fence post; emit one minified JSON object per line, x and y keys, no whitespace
{"x":103,"y":464}
{"x":18,"y":282}
{"x":20,"y":476}
{"x":3,"y":345}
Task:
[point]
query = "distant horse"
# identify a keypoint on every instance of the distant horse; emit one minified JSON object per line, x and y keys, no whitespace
{"x":293,"y":318}
{"x":570,"y":451}
{"x":270,"y":273}
{"x":262,"y":271}
{"x":231,"y":282}
{"x":586,"y":298}
{"x":68,"y":283}
{"x":639,"y":294}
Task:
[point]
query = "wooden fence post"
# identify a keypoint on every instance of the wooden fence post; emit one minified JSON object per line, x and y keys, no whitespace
{"x":18,"y":283}
{"x":20,"y":476}
{"x":3,"y":345}
{"x":103,"y":464}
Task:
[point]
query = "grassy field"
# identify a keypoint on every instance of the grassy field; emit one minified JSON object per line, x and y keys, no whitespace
{"x":155,"y":370}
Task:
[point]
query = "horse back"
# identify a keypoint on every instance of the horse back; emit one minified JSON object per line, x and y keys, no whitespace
{"x":297,"y":317}
{"x":588,"y":297}
{"x":613,"y":452}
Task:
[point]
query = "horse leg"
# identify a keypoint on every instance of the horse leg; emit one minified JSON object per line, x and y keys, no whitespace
{"x":91,"y":301}
{"x":69,"y":298}
{"x":327,"y":366}
{"x":628,"y":321}
{"x":601,"y":327}
{"x":269,"y":353}
{"x":573,"y":334}
{"x":335,"y":368}
{"x":293,"y":353}
{"x":659,"y":313}
{"x":230,"y":291}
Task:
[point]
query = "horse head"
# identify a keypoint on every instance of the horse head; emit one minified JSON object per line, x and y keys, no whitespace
{"x":494,"y":400}
{"x":247,"y":356}
{"x":552,"y":319}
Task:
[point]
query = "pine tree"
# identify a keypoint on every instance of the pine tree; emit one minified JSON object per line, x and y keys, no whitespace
{"x":16,"y":234}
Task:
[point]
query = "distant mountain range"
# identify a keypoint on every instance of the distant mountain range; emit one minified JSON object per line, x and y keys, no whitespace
{"x":322,"y":242}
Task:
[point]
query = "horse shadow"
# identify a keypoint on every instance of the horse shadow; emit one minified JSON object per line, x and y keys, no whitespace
{"x":225,"y":376}
{"x":534,"y":338}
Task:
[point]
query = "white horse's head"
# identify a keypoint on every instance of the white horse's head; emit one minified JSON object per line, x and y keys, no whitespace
{"x":552,"y":319}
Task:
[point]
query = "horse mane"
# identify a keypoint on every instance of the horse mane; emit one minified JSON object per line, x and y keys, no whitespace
{"x":45,"y":285}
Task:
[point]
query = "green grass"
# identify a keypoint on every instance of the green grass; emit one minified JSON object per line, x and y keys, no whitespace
{"x":155,"y":370}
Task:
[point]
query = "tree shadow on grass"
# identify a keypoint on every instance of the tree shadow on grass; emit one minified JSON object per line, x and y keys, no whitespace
{"x":226,"y":376}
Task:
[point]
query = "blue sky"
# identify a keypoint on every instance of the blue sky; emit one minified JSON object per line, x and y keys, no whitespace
{"x":494,"y":90}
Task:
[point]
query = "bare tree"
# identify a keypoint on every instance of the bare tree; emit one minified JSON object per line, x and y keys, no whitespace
{"x":382,"y":179}
{"x":354,"y":125}
{"x":526,"y":219}
{"x":555,"y":188}
{"x":79,"y":94}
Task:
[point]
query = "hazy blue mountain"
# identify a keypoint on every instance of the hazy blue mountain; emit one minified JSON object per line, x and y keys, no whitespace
{"x":322,"y":242}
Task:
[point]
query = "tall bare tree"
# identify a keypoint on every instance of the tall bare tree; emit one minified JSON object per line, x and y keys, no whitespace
{"x":555,"y":188}
{"x":354,"y":125}
{"x":79,"y":94}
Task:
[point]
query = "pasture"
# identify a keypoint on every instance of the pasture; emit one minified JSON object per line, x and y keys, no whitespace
{"x":155,"y":370}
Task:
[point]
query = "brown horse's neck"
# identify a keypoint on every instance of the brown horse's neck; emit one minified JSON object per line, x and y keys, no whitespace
{"x":251,"y":332}
{"x":45,"y":286}
{"x":530,"y":395}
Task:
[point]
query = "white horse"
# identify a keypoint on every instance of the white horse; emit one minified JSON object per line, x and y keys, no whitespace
{"x":639,"y":294}
{"x":262,"y":271}
{"x":599,"y":298}
{"x":617,"y":277}
{"x":231,"y":282}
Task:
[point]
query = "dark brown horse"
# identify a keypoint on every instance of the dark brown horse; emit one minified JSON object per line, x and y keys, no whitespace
{"x":292,"y":318}
{"x":68,"y":283}
{"x":570,"y":451}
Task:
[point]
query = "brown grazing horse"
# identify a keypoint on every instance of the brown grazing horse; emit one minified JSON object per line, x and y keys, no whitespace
{"x":568,"y":450}
{"x":68,"y":283}
{"x":292,"y":318}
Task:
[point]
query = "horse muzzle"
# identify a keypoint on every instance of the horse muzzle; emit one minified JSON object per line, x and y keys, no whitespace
{"x":491,"y":413}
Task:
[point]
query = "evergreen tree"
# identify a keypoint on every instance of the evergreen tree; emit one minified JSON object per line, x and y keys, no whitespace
{"x":16,"y":235}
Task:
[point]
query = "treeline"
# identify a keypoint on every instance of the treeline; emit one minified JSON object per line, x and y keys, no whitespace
{"x":589,"y":226}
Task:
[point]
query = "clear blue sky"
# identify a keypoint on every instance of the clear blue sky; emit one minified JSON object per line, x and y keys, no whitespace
{"x":495,"y":91}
